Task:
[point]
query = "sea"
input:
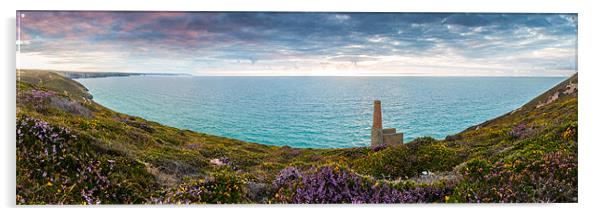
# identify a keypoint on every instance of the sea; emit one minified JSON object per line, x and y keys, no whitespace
{"x":316,"y":111}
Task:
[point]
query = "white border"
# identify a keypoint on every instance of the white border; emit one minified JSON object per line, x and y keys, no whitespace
{"x":589,"y":48}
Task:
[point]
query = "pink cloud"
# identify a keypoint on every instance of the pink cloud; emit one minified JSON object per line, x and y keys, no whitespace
{"x":57,"y":24}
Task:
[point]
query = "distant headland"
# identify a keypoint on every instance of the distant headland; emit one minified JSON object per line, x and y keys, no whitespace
{"x":78,"y":75}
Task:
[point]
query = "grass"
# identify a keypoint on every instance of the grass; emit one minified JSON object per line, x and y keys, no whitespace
{"x":126,"y":159}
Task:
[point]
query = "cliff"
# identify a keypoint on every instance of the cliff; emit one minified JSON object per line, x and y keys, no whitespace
{"x":71,"y":150}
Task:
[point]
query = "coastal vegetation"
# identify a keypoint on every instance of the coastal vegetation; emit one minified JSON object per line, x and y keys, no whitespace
{"x":71,"y":150}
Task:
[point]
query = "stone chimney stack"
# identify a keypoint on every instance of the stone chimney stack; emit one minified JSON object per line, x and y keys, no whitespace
{"x":380,"y":136}
{"x":377,"y":125}
{"x":377,"y":121}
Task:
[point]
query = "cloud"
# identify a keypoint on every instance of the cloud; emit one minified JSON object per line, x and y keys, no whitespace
{"x":300,"y":43}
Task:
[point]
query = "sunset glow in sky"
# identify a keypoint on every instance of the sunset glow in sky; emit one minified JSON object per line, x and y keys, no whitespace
{"x":206,"y":43}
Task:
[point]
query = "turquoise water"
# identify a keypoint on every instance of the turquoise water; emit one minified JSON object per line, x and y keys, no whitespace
{"x":316,"y":112}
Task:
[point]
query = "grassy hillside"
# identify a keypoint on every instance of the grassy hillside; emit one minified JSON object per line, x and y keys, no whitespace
{"x":71,"y":150}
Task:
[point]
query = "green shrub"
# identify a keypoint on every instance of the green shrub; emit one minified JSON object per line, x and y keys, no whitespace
{"x":222,"y":186}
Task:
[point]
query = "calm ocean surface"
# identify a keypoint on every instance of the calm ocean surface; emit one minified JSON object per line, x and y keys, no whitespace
{"x":315,"y":112}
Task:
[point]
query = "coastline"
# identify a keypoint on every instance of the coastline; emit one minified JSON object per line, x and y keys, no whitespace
{"x":81,"y":75}
{"x":246,"y":118}
{"x":163,"y":159}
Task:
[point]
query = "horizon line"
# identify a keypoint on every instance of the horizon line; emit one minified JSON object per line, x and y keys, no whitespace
{"x":312,"y":75}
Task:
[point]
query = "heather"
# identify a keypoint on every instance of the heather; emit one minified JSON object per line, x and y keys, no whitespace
{"x":71,"y":150}
{"x":54,"y":168}
{"x":551,"y":178}
{"x":339,"y":185}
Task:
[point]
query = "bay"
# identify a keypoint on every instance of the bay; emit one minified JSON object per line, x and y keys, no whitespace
{"x":316,"y":112}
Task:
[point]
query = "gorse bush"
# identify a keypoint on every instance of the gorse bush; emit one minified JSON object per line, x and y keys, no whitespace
{"x":570,"y":131}
{"x":389,"y":163}
{"x":222,"y":186}
{"x":406,"y":161}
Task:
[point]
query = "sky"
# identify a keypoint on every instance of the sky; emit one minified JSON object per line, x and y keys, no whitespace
{"x":299,"y":44}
